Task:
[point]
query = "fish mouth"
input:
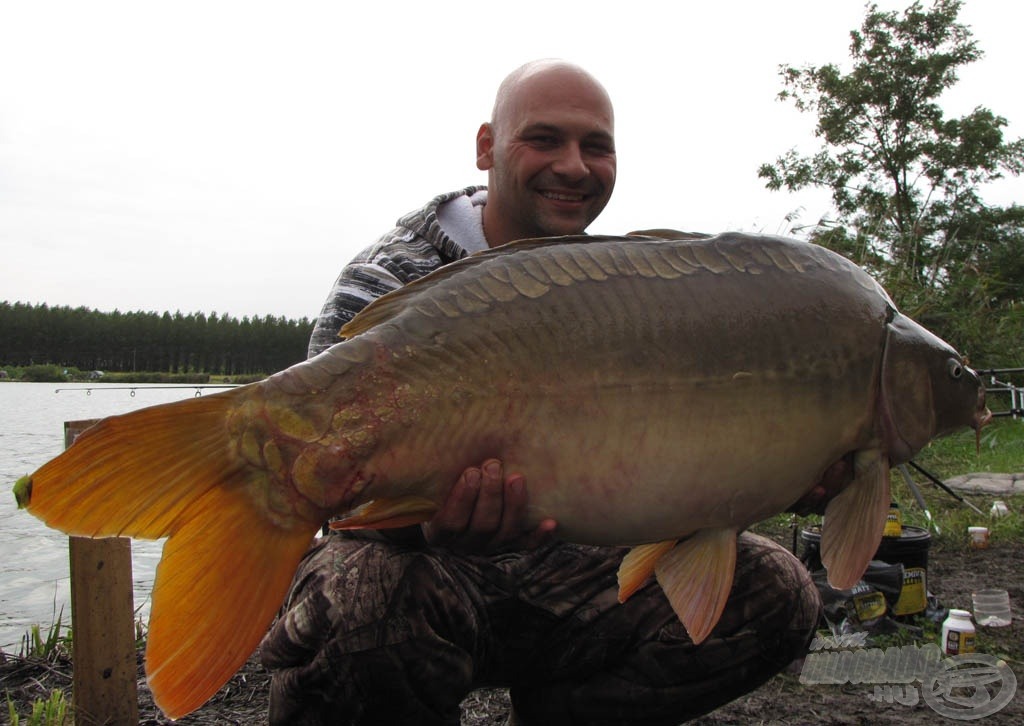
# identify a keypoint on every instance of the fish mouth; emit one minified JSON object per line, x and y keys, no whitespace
{"x":982,"y":417}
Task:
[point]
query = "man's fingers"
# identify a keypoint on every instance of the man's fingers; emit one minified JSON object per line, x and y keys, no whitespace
{"x":513,"y":515}
{"x":454,"y":516}
{"x":486,"y":516}
{"x":542,"y":535}
{"x":485,"y":512}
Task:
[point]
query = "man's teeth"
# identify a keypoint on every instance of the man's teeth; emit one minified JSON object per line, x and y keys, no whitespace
{"x":563,"y":197}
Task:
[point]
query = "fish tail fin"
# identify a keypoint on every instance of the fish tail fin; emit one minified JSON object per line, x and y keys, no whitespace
{"x":220,"y":582}
{"x":174,"y":471}
{"x":134,"y":475}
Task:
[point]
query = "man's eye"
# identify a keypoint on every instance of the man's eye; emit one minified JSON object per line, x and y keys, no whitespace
{"x":599,"y":149}
{"x":544,"y":140}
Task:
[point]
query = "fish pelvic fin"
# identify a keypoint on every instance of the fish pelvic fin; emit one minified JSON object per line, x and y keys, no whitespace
{"x":696,"y":576}
{"x":388,"y":513}
{"x":222,"y":577}
{"x":855,"y":519}
{"x":638,"y":565}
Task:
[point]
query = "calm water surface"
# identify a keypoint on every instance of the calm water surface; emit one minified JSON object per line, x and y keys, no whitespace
{"x":34,"y":581}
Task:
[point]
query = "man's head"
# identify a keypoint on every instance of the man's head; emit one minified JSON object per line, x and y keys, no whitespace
{"x":549,"y":153}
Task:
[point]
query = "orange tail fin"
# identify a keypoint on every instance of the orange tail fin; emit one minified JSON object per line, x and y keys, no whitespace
{"x":172,"y":471}
{"x":222,"y":577}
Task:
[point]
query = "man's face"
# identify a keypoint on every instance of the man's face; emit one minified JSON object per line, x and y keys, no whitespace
{"x":550,"y":157}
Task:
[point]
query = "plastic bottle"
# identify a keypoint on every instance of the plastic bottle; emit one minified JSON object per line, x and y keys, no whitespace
{"x":893,"y":522}
{"x":958,"y":633}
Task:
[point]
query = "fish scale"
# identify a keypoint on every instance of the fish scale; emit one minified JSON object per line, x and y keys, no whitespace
{"x":657,"y":391}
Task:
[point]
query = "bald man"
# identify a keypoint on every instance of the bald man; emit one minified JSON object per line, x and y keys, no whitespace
{"x":398,"y":627}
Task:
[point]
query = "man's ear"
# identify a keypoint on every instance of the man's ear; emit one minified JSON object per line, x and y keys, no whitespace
{"x":485,"y":147}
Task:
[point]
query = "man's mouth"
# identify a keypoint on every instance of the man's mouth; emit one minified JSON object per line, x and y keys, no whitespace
{"x":562,"y":196}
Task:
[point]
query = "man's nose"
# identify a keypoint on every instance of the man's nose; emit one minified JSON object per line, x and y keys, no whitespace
{"x":570,"y":163}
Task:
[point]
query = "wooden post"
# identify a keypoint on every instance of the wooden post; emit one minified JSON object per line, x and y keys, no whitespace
{"x":103,"y":625}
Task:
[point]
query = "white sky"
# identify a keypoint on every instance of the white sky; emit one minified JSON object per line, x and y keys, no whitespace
{"x":232,"y":157}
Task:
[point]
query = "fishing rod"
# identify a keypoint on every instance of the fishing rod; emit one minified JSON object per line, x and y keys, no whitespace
{"x":197,"y":386}
{"x":938,"y":482}
{"x":918,"y":497}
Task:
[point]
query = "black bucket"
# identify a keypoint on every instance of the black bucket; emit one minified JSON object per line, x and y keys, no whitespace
{"x":910,"y":549}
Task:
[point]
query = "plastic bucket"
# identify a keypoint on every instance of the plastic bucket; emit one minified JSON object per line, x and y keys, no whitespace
{"x":910,"y":549}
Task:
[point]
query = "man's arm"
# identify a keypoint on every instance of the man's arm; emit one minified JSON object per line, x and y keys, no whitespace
{"x":360,"y":283}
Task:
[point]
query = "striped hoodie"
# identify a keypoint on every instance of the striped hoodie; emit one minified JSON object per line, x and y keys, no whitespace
{"x":416,"y":246}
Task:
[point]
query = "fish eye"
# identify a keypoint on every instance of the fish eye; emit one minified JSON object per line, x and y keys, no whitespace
{"x":955,"y":369}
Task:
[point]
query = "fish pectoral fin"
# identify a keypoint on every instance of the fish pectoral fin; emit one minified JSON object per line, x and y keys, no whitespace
{"x":388,"y":513}
{"x":638,"y":565}
{"x":696,"y":576}
{"x":854,"y":520}
{"x":223,"y":575}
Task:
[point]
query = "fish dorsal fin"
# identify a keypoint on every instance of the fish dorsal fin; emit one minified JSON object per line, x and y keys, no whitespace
{"x":662,"y":233}
{"x":638,"y":565}
{"x":388,"y":306}
{"x":696,"y":575}
{"x":855,"y":519}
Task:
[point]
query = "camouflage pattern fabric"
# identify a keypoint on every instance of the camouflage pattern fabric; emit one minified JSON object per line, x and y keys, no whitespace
{"x":378,"y":633}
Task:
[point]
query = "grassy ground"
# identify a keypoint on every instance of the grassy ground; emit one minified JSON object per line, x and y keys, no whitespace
{"x":1000,"y":448}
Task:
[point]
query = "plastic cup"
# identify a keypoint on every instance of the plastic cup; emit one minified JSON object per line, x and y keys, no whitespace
{"x":992,"y":607}
{"x":979,"y":537}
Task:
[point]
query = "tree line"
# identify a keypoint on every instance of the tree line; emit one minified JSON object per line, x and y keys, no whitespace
{"x":91,"y":340}
{"x":906,"y":179}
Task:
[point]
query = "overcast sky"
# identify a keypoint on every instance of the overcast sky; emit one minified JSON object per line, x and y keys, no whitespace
{"x":232,"y":157}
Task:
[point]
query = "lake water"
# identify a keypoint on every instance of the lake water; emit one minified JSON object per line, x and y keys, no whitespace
{"x":34,"y":580}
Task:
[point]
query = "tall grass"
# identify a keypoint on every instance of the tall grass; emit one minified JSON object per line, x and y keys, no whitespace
{"x":53,"y":711}
{"x":34,"y":645}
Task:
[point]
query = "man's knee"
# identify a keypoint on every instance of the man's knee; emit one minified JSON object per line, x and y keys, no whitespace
{"x":777,"y":593}
{"x":372,"y":627}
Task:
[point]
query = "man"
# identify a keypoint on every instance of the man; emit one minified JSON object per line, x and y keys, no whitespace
{"x":397,"y":628}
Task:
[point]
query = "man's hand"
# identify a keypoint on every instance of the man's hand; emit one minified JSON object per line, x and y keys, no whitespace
{"x":833,"y":481}
{"x":485,"y":512}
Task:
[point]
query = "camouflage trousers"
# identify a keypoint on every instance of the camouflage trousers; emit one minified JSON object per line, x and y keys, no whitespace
{"x":377,"y":633}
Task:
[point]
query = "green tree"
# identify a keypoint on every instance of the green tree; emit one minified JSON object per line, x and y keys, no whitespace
{"x":904,"y":179}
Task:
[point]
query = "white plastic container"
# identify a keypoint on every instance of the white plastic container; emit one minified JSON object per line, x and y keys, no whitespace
{"x":958,"y":633}
{"x":992,"y":608}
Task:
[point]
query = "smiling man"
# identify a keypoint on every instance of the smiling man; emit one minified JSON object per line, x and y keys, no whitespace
{"x":549,"y":154}
{"x":398,"y":627}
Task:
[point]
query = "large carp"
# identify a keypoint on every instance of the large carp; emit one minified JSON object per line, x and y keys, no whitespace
{"x":658,"y":393}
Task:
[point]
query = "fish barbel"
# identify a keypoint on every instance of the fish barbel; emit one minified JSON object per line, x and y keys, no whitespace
{"x":660,"y":393}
